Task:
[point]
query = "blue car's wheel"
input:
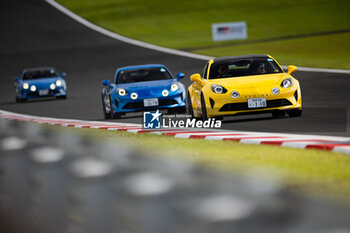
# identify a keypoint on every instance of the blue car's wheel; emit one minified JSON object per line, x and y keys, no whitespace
{"x":107,"y":109}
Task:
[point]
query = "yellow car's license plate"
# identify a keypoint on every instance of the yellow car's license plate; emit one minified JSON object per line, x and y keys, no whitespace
{"x":257,"y":103}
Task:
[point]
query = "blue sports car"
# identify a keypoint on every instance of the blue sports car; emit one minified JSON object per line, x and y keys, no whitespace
{"x":142,"y":88}
{"x":40,"y":82}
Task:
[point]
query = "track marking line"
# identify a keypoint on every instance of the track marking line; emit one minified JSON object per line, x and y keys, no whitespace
{"x":124,"y":38}
{"x":326,"y":146}
{"x":174,"y":134}
{"x":239,"y":139}
{"x":203,"y":136}
{"x":301,"y":145}
{"x":345,"y":150}
{"x":279,"y":142}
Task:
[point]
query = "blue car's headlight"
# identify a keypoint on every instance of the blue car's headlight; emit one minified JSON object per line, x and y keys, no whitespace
{"x":121,"y":92}
{"x":25,"y":86}
{"x":58,"y":83}
{"x":52,"y":86}
{"x":174,"y":87}
{"x":134,"y":95}
{"x":165,"y":93}
{"x":33,"y":88}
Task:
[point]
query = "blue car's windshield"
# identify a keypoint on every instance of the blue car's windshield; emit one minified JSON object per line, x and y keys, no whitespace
{"x":39,"y":73}
{"x":243,"y":67}
{"x":142,"y":75}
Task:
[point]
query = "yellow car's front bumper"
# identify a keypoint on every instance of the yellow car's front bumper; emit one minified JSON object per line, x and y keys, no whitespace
{"x":224,"y":104}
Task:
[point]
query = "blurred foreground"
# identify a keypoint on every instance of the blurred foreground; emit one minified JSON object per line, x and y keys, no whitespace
{"x":57,"y":182}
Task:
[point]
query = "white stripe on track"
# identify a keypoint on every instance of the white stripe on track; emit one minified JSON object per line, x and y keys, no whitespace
{"x":123,"y":38}
{"x":342,"y":149}
{"x":257,"y":140}
{"x":301,"y":145}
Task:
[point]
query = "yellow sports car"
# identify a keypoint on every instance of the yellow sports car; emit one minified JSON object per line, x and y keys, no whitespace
{"x":243,"y":85}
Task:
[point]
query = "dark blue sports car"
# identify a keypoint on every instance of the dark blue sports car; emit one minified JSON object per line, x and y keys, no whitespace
{"x":142,"y":88}
{"x":40,"y":82}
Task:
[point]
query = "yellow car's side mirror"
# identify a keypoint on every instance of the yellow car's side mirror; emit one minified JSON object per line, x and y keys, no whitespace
{"x":196,"y":78}
{"x":292,"y":69}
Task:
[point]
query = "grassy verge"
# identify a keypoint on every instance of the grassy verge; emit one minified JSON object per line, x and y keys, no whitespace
{"x":187,"y":24}
{"x":314,"y":172}
{"x":330,"y":51}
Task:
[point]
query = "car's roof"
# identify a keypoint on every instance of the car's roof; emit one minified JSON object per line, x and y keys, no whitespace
{"x":39,"y":68}
{"x":140,"y":67}
{"x":220,"y":59}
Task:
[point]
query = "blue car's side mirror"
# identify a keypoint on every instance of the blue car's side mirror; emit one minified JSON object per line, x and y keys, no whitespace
{"x":106,"y":82}
{"x":63,"y":75}
{"x":16,"y":79}
{"x":180,"y":75}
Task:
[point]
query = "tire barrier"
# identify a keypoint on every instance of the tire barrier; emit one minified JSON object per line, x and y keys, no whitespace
{"x":63,"y":183}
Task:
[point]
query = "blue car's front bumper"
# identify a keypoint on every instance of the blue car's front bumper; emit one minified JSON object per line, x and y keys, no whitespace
{"x":42,"y":92}
{"x":123,"y":104}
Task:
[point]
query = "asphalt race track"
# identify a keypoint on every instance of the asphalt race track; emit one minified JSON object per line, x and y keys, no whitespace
{"x":35,"y":34}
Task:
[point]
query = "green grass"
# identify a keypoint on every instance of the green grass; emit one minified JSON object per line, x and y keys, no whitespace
{"x":331,"y":51}
{"x":187,"y":24}
{"x":315,"y":172}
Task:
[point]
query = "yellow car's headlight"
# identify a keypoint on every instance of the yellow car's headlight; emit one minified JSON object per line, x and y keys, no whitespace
{"x":218,"y":89}
{"x":275,"y":91}
{"x":286,"y":83}
{"x":235,"y":94}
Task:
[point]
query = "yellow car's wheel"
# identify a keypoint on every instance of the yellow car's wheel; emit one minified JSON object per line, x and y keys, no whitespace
{"x":204,"y":108}
{"x":189,"y":105}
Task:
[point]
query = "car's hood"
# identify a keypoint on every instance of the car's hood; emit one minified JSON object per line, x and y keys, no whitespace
{"x":256,"y":81}
{"x":147,"y":88}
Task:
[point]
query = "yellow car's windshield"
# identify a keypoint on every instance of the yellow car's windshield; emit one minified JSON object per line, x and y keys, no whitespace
{"x":243,"y":67}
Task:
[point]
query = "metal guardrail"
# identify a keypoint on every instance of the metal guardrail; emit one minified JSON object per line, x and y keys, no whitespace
{"x":61,"y":183}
